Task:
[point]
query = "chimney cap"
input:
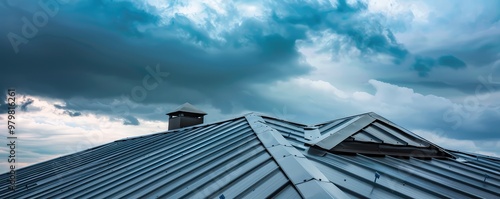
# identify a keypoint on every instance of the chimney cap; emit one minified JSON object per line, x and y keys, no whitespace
{"x":187,"y":108}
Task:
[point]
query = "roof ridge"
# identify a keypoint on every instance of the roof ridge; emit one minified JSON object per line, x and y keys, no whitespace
{"x":330,"y":140}
{"x":343,"y":118}
{"x":355,"y":124}
{"x":305,"y":177}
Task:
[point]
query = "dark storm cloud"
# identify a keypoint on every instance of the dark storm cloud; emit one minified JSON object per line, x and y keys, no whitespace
{"x":423,"y":65}
{"x":95,"y":50}
{"x":115,"y":108}
{"x":479,"y":51}
{"x":100,"y":50}
{"x":451,"y":61}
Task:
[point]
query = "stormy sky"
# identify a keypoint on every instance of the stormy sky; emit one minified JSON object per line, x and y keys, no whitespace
{"x":88,"y":72}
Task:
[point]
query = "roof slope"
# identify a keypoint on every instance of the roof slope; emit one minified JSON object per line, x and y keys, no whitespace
{"x":218,"y":160}
{"x":361,"y":174}
{"x":258,"y":156}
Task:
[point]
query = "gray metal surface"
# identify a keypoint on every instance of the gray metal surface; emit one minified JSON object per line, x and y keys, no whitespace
{"x":308,"y":180}
{"x":412,"y":177}
{"x":311,"y":133}
{"x":225,"y":158}
{"x":469,"y":176}
{"x":333,"y":137}
{"x":368,"y":127}
{"x":258,"y":157}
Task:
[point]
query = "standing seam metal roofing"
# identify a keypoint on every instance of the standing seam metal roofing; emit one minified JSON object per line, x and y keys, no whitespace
{"x":245,"y":157}
{"x":309,"y":181}
{"x":218,"y":160}
{"x":468,"y":176}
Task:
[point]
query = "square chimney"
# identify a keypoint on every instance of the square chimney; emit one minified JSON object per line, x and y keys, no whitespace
{"x":184,"y":116}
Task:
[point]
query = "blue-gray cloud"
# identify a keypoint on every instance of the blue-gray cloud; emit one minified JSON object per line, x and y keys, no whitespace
{"x":424,"y":64}
{"x":108,"y":57}
{"x":98,"y":51}
{"x":451,"y":61}
{"x":3,"y":107}
{"x":72,"y":114}
{"x":365,"y":33}
{"x":68,"y":111}
{"x":24,"y":105}
{"x":130,"y":120}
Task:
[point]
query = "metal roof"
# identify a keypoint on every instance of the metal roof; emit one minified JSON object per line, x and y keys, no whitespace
{"x":309,"y":181}
{"x":257,"y":156}
{"x":372,"y":134}
{"x":218,"y":160}
{"x":187,"y":108}
{"x":360,"y":175}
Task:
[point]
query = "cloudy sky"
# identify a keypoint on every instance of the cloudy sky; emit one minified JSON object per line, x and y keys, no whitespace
{"x":88,"y":72}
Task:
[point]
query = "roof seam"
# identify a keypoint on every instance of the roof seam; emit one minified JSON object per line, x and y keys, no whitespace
{"x":298,"y":169}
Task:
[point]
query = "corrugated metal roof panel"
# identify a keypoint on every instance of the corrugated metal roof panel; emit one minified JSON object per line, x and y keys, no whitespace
{"x":336,"y":125}
{"x":307,"y":179}
{"x":401,"y":177}
{"x":238,"y":159}
{"x":289,"y":192}
{"x":477,"y":177}
{"x":208,"y":161}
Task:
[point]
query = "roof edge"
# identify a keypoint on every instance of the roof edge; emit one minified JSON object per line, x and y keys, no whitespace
{"x":184,"y":128}
{"x":343,"y":118}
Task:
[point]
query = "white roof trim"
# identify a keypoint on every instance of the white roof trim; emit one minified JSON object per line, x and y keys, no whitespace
{"x":336,"y":136}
